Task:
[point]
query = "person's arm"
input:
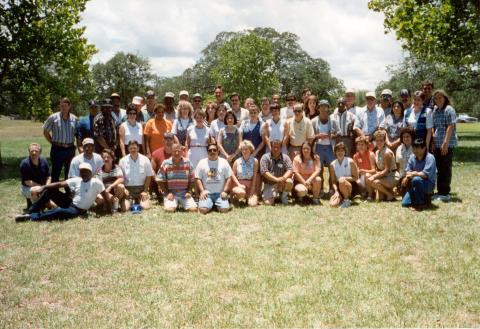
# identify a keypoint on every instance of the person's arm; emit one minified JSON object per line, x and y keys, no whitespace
{"x":258,"y":149}
{"x":108,"y":204}
{"x":333,"y":178}
{"x":318,"y":169}
{"x":234,"y":175}
{"x":100,"y":140}
{"x":202,"y":192}
{"x":386,"y":167}
{"x":266,"y":136}
{"x":121,"y":137}
{"x":40,"y":188}
{"x":47,"y":136}
{"x":296,"y":168}
{"x":446,"y":141}
{"x":187,"y":143}
{"x":163,"y":187}
{"x":118,"y":181}
{"x":255,"y":177}
{"x":220,"y":144}
{"x":354,"y":169}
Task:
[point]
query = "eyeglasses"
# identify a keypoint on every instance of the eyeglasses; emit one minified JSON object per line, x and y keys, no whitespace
{"x":212,"y":151}
{"x":297,"y":111}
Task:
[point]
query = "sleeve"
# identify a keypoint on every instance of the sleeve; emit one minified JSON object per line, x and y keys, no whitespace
{"x":71,"y":183}
{"x":429,"y":122}
{"x":199,"y":171}
{"x":451,"y":115}
{"x":228,"y":170}
{"x":381,"y":118}
{"x":73,"y":170}
{"x":48,"y":125}
{"x":398,"y":153}
{"x":174,"y":126}
{"x":24,"y":172}
{"x":263,"y":164}
{"x":410,"y":163}
{"x":430,"y":165}
{"x":118,"y":172}
{"x":148,"y":168}
{"x":191,"y":174}
{"x":296,"y":165}
{"x":99,"y":185}
{"x":148,"y":129}
{"x":310,"y":133}
{"x":358,"y":122}
{"x":287,"y":161}
{"x":161,"y":173}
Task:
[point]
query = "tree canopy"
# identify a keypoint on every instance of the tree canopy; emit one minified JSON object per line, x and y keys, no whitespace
{"x":44,"y":55}
{"x":441,"y":31}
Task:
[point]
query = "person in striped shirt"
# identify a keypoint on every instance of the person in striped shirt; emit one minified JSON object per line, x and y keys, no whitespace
{"x":60,"y":130}
{"x":175,"y":180}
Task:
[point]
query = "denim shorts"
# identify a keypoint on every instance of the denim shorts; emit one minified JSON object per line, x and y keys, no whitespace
{"x":325,"y":152}
{"x":214,"y":199}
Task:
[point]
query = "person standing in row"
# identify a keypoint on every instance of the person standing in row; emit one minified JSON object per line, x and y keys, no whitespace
{"x":343,"y":122}
{"x":155,"y":129}
{"x":60,"y":130}
{"x":105,"y":130}
{"x":130,"y":130}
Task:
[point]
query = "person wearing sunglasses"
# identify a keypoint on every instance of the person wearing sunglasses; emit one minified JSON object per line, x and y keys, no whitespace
{"x":300,"y":129}
{"x":213,"y":177}
{"x":130,"y":130}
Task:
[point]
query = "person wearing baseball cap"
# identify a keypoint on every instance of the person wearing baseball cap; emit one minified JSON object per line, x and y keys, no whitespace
{"x":369,"y":119}
{"x":88,"y":156}
{"x":405,"y":98}
{"x":149,"y":107}
{"x":142,"y":115}
{"x":119,"y":114}
{"x":85,"y":190}
{"x":105,"y":128}
{"x":197,"y":102}
{"x":85,"y":123}
{"x":168,"y":101}
{"x":183,"y":95}
{"x":386,"y":101}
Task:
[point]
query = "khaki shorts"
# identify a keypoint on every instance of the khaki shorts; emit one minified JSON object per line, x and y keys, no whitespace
{"x":391,"y":180}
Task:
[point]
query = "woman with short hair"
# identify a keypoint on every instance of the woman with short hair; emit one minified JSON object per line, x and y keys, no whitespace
{"x":275,"y":129}
{"x":197,"y":139}
{"x":393,"y":124}
{"x":344,"y":176}
{"x":245,"y":175}
{"x":250,"y":130}
{"x":229,"y":138}
{"x":419,"y":117}
{"x":386,"y":175}
{"x":306,"y":171}
{"x":130,"y":130}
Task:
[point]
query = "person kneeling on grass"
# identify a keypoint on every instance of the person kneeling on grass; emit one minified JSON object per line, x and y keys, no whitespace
{"x":420,"y":177}
{"x":306,"y":171}
{"x":213,"y":175}
{"x":175,"y":180}
{"x":344,"y":175}
{"x":365,"y":161}
{"x":112,"y":177}
{"x":138,"y":173}
{"x":84,"y":188}
{"x":245,"y":175}
{"x":276,"y":169}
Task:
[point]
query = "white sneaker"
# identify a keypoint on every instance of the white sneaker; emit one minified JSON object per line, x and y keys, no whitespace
{"x":346,"y":203}
{"x":445,"y":198}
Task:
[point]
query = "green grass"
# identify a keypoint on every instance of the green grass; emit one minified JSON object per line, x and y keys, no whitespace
{"x":372,"y":265}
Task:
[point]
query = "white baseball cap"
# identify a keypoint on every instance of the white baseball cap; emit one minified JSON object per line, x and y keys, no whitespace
{"x":137,"y":100}
{"x":183,"y":93}
{"x":386,"y":92}
{"x":370,"y":94}
{"x":86,"y":166}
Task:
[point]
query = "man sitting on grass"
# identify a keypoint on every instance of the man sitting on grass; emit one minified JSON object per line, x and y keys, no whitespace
{"x":34,"y":171}
{"x":84,"y":188}
{"x":420,"y":177}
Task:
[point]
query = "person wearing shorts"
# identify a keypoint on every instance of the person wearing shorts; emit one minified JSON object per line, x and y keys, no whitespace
{"x":344,"y":175}
{"x":213,"y":175}
{"x":175,"y":180}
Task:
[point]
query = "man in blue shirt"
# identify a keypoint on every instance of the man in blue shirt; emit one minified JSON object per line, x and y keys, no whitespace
{"x":85,"y":124}
{"x":421,"y":174}
{"x":34,"y":171}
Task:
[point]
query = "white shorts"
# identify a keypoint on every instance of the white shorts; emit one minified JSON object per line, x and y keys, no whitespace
{"x":187,"y":204}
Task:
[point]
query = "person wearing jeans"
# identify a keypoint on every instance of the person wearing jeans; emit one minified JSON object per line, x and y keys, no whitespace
{"x":420,"y":176}
{"x":84,"y":188}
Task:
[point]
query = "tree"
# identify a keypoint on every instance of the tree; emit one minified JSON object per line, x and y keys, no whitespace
{"x":294,"y":68}
{"x":442,"y":31}
{"x":44,"y":55}
{"x":245,"y":64}
{"x":126,"y":74}
{"x":411,"y":72}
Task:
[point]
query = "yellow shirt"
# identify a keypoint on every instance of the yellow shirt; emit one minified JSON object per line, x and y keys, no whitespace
{"x":299,"y":132}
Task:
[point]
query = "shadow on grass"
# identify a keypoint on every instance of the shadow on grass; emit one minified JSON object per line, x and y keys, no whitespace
{"x":10,"y":168}
{"x":467,"y":154}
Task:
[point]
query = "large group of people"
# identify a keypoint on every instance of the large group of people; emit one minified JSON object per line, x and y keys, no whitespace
{"x":198,"y":155}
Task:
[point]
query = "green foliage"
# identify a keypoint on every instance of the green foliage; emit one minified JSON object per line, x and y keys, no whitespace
{"x":462,"y":86}
{"x":126,"y":74}
{"x":445,"y":31}
{"x":245,"y":64}
{"x":44,"y":55}
{"x":293,"y":67}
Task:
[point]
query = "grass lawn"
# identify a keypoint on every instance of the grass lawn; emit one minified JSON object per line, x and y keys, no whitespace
{"x":372,"y":265}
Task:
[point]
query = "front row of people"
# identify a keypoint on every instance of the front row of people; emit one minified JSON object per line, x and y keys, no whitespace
{"x":213,"y":180}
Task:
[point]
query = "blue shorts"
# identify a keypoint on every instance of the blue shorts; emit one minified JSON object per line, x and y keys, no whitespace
{"x":325,"y":152}
{"x":214,"y":199}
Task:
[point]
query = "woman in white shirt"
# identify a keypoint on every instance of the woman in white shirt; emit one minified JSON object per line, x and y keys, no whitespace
{"x":130,"y":130}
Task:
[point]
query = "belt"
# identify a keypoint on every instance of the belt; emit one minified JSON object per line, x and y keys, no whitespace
{"x":62,"y":144}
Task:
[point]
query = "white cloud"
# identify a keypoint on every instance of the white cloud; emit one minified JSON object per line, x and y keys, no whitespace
{"x":172,"y":33}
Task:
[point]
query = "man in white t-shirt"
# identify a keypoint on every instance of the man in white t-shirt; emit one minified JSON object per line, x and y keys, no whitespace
{"x":88,"y":156}
{"x":213,"y":175}
{"x":138,"y":173}
{"x":84,"y":189}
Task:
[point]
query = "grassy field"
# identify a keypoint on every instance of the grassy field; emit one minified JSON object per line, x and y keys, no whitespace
{"x":372,"y":265}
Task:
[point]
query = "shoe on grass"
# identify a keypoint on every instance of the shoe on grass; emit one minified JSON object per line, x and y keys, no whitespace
{"x":316,"y":201}
{"x":22,"y":218}
{"x":284,"y":198}
{"x":346,"y":203}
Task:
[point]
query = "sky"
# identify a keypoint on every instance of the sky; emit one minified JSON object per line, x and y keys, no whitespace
{"x":173,"y":33}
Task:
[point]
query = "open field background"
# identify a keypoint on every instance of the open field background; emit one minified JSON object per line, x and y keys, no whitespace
{"x":370,"y":265}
